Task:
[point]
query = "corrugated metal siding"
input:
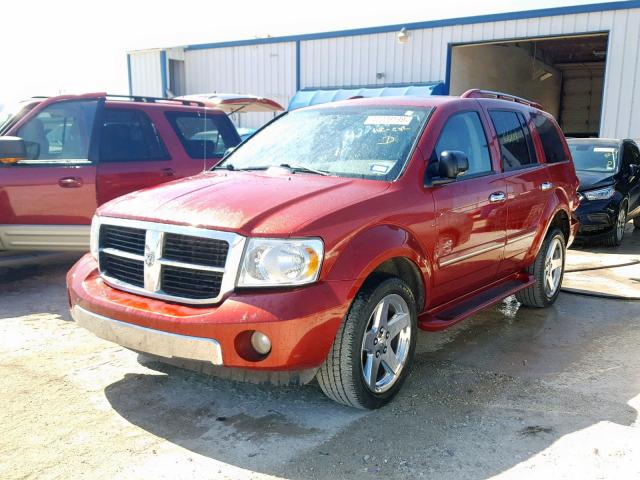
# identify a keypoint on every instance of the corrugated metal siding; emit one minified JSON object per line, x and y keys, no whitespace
{"x":267,"y":70}
{"x":356,"y":60}
{"x":146,"y":78}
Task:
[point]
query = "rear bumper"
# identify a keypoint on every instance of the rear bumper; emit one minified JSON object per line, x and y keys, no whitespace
{"x":45,"y":237}
{"x":301,"y":323}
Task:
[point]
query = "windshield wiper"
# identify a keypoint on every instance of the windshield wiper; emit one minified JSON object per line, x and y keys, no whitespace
{"x":298,"y":168}
{"x":232,"y":168}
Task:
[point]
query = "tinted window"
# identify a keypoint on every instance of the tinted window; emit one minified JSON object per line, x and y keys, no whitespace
{"x":352,"y":141}
{"x":464,"y":132}
{"x":60,"y":133}
{"x":632,"y":155}
{"x":550,"y":137}
{"x":129,"y":135}
{"x":203,"y":136}
{"x":515,"y":142}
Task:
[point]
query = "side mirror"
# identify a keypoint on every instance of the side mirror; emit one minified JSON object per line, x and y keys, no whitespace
{"x":228,"y":152}
{"x":12,"y":150}
{"x":450,"y":164}
{"x":634,"y":169}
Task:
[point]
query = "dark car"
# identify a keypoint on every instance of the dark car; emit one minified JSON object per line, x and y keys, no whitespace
{"x":609,"y":173}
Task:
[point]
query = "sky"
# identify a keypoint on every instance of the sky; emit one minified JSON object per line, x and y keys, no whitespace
{"x":72,"y":46}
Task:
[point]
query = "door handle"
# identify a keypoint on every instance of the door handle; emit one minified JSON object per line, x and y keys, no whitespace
{"x":70,"y":182}
{"x":546,"y":186}
{"x":497,"y":197}
{"x":168,"y":172}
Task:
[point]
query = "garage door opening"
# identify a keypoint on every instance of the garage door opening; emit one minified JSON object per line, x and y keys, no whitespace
{"x":564,"y":74}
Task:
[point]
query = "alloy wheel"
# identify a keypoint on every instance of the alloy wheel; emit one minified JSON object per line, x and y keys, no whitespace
{"x":554,"y":261}
{"x":386,"y":342}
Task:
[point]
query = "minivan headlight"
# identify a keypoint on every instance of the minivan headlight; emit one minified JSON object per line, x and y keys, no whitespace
{"x":95,"y":234}
{"x":270,"y":262}
{"x":600,"y":193}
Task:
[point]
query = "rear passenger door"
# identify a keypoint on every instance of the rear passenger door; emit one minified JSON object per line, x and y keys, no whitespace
{"x":132,"y":154}
{"x":631,"y":158}
{"x":471,"y":212}
{"x":527,"y":182}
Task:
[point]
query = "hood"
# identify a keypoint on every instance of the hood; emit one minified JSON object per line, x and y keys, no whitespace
{"x":244,"y":202}
{"x":593,"y":180}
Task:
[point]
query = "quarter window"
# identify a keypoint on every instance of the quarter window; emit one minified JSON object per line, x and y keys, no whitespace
{"x":516,"y":146}
{"x":464,"y":132}
{"x":202,"y":136}
{"x":552,"y":145}
{"x":60,"y":133}
{"x":129,"y":135}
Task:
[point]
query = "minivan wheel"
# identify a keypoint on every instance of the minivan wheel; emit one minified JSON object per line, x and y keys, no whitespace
{"x":547,"y":270}
{"x":373,"y":350}
{"x":615,"y":236}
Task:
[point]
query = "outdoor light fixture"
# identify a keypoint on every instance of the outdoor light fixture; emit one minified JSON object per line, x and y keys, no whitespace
{"x":403,"y":36}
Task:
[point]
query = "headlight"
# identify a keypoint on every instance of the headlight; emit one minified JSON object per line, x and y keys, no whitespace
{"x":280,"y":262}
{"x":95,"y":233}
{"x":600,"y":194}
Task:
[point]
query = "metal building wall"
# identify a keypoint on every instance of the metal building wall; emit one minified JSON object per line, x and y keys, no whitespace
{"x":360,"y":59}
{"x":145,"y":73}
{"x":267,"y":70}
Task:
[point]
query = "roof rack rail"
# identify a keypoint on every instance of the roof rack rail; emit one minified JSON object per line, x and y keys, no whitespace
{"x":478,"y":93}
{"x":145,"y":99}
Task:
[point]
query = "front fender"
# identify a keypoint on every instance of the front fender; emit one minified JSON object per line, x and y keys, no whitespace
{"x":367,"y":250}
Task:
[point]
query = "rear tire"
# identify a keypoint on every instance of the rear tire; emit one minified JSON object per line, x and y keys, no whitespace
{"x":373,"y":350}
{"x":547,"y":270}
{"x":615,"y":236}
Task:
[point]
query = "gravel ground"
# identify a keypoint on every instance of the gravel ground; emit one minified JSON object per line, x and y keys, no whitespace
{"x":510,"y":393}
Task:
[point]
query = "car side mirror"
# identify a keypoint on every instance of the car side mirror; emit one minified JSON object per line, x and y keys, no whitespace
{"x":634,"y":169}
{"x":12,"y":150}
{"x":450,"y":164}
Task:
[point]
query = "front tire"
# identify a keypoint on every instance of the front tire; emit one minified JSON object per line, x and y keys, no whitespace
{"x":615,"y":236}
{"x":373,"y":350}
{"x":547,"y":270}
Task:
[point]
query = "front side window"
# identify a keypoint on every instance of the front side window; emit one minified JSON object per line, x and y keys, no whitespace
{"x":599,"y":157}
{"x":60,"y":133}
{"x":203,"y":136}
{"x":356,"y":142}
{"x":464,"y":132}
{"x":516,"y":146}
{"x":129,"y":135}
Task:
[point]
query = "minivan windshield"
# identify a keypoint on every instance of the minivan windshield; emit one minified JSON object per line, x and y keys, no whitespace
{"x":595,"y":157}
{"x":355,"y":141}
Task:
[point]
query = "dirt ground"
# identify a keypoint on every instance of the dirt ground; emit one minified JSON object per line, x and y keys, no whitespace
{"x":510,"y":393}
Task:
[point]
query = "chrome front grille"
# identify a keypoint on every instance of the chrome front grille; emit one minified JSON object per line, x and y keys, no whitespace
{"x":180,"y":264}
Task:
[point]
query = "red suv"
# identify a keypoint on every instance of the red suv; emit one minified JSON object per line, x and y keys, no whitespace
{"x":77,"y":152}
{"x":323,"y":243}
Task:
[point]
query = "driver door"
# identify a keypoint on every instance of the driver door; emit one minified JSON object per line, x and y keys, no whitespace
{"x":55,"y":184}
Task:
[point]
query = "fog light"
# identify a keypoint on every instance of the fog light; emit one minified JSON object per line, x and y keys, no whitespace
{"x":261,"y":343}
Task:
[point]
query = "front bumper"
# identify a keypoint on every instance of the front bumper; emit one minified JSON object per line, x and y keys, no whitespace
{"x":597,"y":216}
{"x":141,"y":339}
{"x":301,"y":323}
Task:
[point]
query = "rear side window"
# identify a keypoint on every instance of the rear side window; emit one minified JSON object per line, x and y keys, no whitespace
{"x":464,"y":132}
{"x":516,"y":146}
{"x":129,"y":135}
{"x":550,"y":137}
{"x":203,"y":136}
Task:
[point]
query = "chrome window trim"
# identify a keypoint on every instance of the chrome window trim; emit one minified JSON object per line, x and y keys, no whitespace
{"x":154,"y":244}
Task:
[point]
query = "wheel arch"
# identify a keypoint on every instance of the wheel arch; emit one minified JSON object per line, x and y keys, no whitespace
{"x":383,"y":251}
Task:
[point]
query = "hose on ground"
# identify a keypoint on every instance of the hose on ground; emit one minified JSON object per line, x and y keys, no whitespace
{"x":609,"y":296}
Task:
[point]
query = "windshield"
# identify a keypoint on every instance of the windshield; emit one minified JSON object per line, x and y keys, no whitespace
{"x":595,"y":157}
{"x":358,"y":142}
